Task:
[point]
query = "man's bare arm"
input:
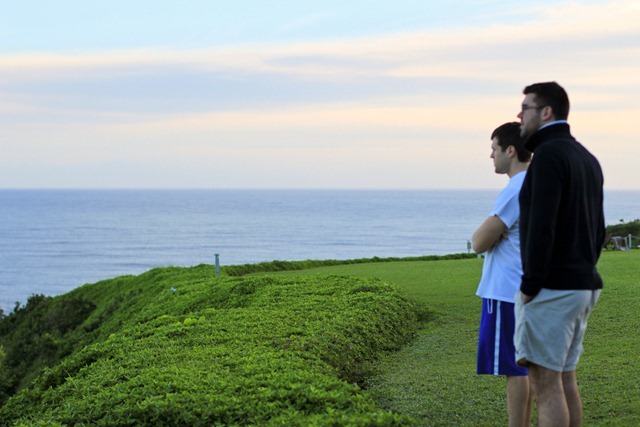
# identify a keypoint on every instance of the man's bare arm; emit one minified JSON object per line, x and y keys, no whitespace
{"x":488,"y":234}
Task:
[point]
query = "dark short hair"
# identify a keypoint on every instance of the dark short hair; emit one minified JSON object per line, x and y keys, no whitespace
{"x":509,"y":134}
{"x":553,"y":95}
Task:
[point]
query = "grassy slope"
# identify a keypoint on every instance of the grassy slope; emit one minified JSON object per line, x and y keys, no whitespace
{"x":434,"y":379}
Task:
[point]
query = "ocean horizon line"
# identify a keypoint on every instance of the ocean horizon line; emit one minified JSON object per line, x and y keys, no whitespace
{"x":274,"y":189}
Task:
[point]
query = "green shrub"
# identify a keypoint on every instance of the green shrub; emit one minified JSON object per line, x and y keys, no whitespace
{"x":5,"y":379}
{"x":231,"y":351}
{"x":624,"y":229}
{"x":274,"y":266}
{"x":33,"y":337}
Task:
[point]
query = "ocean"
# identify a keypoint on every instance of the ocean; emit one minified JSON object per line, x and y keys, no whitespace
{"x":52,"y":241}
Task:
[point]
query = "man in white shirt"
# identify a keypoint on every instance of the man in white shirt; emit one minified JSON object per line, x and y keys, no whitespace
{"x":498,"y":238}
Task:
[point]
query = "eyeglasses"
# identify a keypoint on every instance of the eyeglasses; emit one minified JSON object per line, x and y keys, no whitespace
{"x":526,"y":107}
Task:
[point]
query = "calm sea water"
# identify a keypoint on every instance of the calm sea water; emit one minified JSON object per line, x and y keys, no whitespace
{"x":52,"y":241}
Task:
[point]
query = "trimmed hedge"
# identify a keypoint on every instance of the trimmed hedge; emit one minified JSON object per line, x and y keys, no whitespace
{"x":231,"y":351}
{"x":273,"y":266}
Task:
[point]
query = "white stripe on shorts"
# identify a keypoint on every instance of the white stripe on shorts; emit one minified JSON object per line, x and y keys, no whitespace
{"x":496,"y":344}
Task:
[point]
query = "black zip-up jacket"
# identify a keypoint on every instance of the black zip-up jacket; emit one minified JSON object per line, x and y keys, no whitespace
{"x":561,"y":214}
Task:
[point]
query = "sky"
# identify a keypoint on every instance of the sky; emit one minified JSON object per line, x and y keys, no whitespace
{"x":294,"y":94}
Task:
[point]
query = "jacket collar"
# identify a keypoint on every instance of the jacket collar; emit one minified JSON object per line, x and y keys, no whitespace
{"x":557,"y":130}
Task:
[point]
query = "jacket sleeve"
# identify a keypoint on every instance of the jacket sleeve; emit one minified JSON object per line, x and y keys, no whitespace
{"x":602,"y":231}
{"x":546,"y":182}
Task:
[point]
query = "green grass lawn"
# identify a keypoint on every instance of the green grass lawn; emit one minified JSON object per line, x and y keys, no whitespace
{"x":433,"y":379}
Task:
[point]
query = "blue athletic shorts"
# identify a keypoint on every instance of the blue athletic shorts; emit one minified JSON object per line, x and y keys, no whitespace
{"x":496,"y":351}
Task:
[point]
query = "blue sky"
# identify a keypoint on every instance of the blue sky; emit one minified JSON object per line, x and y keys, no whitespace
{"x":284,"y":94}
{"x":69,"y":26}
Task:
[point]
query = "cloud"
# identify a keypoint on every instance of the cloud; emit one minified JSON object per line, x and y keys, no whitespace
{"x":405,"y":103}
{"x":554,"y":39}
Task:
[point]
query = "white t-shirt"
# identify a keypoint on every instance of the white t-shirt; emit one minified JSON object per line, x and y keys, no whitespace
{"x":502,"y":268}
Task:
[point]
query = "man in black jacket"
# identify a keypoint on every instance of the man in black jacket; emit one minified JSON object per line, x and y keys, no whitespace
{"x":561,"y":234}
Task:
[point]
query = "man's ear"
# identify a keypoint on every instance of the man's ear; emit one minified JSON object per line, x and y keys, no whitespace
{"x":511,"y":151}
{"x":547,"y":114}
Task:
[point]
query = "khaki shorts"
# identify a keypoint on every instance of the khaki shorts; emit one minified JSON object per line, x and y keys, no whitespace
{"x":550,"y":328}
